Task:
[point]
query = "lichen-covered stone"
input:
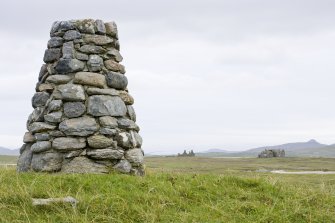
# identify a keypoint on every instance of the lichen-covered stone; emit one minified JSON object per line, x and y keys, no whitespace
{"x":41,"y":146}
{"x":54,"y":117}
{"x":39,"y":99}
{"x":99,"y":91}
{"x":69,"y":66}
{"x":117,"y":80}
{"x":51,"y":55}
{"x":92,"y":49}
{"x":89,"y":78}
{"x":72,"y":92}
{"x":28,"y":138}
{"x":55,"y":42}
{"x":40,"y":127}
{"x":131,"y":113}
{"x":83,"y":126}
{"x":45,"y":87}
{"x":55,"y":105}
{"x":100,"y":141}
{"x":108,"y":131}
{"x":24,"y":161}
{"x":81,"y":56}
{"x":107,"y":153}
{"x":95,"y":63}
{"x":102,"y":105}
{"x":74,"y":109}
{"x":60,"y":27}
{"x":123,"y":166}
{"x":85,"y":26}
{"x":68,"y":50}
{"x":128,"y":124}
{"x":115,"y":54}
{"x":126,"y":97}
{"x":100,"y":27}
{"x":83,"y":164}
{"x":134,"y":156}
{"x":58,"y":79}
{"x":108,"y":122}
{"x":124,"y":140}
{"x":42,"y":136}
{"x":68,"y":143}
{"x":71,"y":35}
{"x":46,"y":162}
{"x":114,"y":66}
{"x":97,"y":39}
{"x":111,"y":29}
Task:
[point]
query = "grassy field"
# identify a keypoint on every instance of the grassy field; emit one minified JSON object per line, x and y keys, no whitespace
{"x":178,"y":190}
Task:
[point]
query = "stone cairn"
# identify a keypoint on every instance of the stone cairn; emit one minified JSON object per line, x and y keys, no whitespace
{"x":83,"y":119}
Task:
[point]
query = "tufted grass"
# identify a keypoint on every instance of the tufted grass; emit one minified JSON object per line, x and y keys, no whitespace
{"x":167,"y":197}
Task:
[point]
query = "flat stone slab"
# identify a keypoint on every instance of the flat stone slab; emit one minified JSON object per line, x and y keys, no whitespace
{"x":68,"y":143}
{"x":102,"y":105}
{"x":83,"y":126}
{"x":89,"y":78}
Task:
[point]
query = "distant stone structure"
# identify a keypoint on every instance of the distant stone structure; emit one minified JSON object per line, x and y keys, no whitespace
{"x":270,"y":153}
{"x":185,"y":154}
{"x":83,"y":119}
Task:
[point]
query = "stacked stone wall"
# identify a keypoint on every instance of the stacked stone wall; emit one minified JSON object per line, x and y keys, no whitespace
{"x":83,"y":119}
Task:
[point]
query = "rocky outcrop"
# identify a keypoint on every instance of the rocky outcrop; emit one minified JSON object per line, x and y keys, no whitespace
{"x":270,"y":153}
{"x":83,"y":119}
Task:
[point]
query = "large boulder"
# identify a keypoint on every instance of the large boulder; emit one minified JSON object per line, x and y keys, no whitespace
{"x":83,"y":164}
{"x":46,"y":162}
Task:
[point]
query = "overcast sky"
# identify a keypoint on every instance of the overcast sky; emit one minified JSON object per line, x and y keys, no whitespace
{"x":204,"y":74}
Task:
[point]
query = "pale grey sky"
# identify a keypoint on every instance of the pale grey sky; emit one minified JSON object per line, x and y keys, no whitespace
{"x":204,"y":74}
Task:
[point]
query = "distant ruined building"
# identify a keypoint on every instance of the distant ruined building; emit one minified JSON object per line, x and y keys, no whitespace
{"x":271,"y":153}
{"x":185,"y":154}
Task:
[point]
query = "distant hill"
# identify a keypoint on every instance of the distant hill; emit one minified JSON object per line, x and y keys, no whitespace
{"x":311,"y":148}
{"x":9,"y":152}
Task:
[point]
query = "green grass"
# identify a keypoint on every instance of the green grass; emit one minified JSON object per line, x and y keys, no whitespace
{"x":8,"y":159}
{"x":176,"y":190}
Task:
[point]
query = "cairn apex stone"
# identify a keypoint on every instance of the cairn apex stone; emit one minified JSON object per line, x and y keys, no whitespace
{"x":83,"y":119}
{"x":111,"y":29}
{"x":101,"y":29}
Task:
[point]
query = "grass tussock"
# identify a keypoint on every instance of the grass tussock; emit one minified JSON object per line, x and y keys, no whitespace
{"x":164,"y":197}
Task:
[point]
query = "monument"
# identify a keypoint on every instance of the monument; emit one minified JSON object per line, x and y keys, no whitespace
{"x":83,"y":119}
